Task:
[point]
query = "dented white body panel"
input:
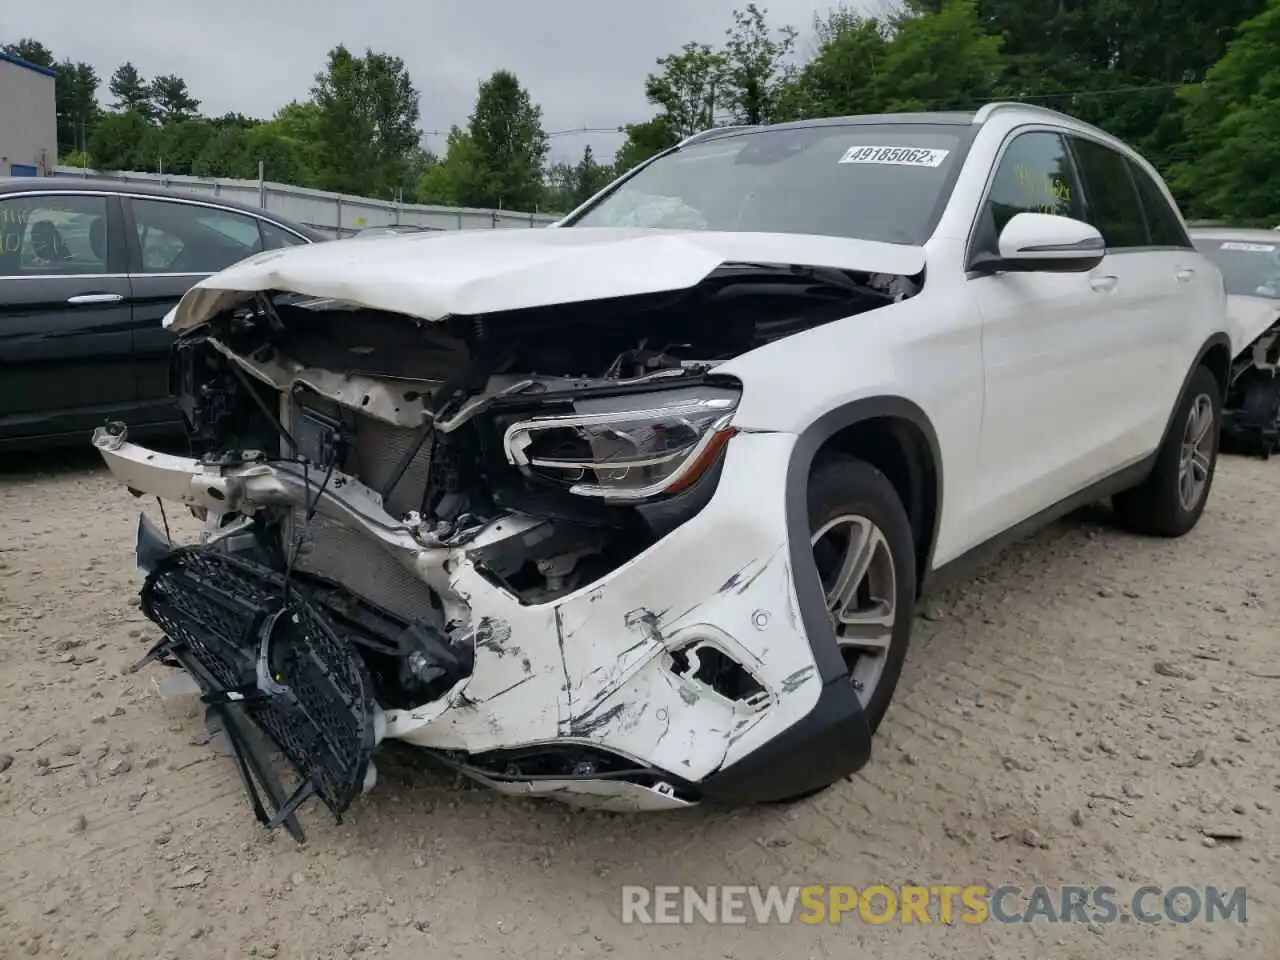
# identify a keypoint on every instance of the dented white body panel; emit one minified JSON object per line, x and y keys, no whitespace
{"x":593,"y":666}
{"x":468,"y":273}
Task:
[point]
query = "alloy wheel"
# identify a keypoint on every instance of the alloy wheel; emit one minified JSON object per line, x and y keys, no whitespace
{"x":860,"y":582}
{"x":1197,"y":453}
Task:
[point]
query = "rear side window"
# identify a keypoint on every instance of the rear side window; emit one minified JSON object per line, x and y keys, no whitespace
{"x":1034,"y":176}
{"x":53,"y":235}
{"x":1113,"y":204}
{"x":1162,"y":219}
{"x":189,"y":238}
{"x":273,"y":237}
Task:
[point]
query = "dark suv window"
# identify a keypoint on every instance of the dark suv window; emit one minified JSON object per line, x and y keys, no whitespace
{"x":53,"y":235}
{"x":190,"y":238}
{"x":1113,"y":202}
{"x":1162,"y":220}
{"x":1034,"y":176}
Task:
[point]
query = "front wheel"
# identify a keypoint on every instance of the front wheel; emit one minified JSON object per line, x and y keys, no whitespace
{"x":865,"y":554}
{"x":1172,"y":498}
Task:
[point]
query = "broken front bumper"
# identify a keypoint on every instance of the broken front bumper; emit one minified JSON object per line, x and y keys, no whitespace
{"x":615,"y":667}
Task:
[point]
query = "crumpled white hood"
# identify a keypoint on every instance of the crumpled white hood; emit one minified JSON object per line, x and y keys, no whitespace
{"x":1248,"y":318}
{"x":432,"y":276}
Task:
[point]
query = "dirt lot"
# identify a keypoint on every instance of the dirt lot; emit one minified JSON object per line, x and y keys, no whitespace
{"x":1077,"y":715}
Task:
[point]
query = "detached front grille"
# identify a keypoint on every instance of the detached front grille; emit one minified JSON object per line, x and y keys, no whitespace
{"x":217,"y":609}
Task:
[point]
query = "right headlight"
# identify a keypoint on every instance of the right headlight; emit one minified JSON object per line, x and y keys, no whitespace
{"x":632,"y":447}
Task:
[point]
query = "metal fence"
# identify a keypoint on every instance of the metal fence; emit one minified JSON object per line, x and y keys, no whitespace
{"x":335,"y":213}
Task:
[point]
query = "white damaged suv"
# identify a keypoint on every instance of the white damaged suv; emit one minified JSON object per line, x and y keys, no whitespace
{"x":634,"y":511}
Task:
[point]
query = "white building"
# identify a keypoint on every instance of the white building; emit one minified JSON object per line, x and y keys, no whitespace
{"x":28,"y":119}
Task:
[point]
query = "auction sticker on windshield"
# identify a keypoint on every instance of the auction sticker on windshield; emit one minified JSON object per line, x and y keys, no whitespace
{"x":1248,"y":247}
{"x":896,"y":156}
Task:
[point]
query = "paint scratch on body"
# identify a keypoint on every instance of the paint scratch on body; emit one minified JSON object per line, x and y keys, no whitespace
{"x":797,"y":679}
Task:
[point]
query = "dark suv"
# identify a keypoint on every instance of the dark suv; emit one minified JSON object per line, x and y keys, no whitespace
{"x":88,"y":269}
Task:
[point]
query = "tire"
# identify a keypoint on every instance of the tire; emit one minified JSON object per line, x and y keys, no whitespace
{"x":843,"y":487}
{"x":1156,"y":507}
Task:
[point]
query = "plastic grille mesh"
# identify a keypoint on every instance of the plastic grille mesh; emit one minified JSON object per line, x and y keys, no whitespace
{"x":216,"y":606}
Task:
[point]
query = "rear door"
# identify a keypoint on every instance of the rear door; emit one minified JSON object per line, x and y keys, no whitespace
{"x":65,"y":342}
{"x":1146,"y":304}
{"x":173,"y":245}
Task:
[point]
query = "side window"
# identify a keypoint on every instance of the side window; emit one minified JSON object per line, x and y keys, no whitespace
{"x":273,"y":238}
{"x":53,"y":235}
{"x":1114,"y":207}
{"x":1034,"y":176}
{"x":189,"y":238}
{"x":1162,"y":219}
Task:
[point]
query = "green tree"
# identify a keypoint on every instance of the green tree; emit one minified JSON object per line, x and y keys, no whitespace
{"x":689,"y":88}
{"x":116,"y":141}
{"x":132,"y":93}
{"x":509,"y":144}
{"x":755,"y":66}
{"x":940,"y":61}
{"x":32,"y":51}
{"x":645,"y":140}
{"x":366,"y":123}
{"x":841,"y":79}
{"x":173,"y":101}
{"x":455,"y":180}
{"x":589,"y":177}
{"x":76,"y":92}
{"x":1233,"y":127}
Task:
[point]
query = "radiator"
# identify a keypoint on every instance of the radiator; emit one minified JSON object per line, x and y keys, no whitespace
{"x":345,"y":555}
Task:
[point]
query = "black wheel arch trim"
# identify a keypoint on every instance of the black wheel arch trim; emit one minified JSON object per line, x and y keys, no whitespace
{"x":813,"y":611}
{"x":1218,"y":339}
{"x":833,"y":740}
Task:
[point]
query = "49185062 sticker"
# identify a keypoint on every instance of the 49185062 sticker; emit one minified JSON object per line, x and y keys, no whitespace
{"x":896,"y":156}
{"x":1248,"y":247}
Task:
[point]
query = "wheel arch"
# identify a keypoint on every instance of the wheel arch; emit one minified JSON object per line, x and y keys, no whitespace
{"x":1215,"y":356}
{"x":896,"y":436}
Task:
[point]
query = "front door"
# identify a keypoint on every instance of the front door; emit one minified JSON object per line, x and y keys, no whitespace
{"x":66,"y":360}
{"x":1044,"y":339}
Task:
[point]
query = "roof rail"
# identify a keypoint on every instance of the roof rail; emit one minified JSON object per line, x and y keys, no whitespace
{"x":714,"y":131}
{"x":985,"y":112}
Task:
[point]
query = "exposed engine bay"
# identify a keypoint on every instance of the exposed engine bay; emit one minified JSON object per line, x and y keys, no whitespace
{"x":1251,"y":408}
{"x":394,"y":508}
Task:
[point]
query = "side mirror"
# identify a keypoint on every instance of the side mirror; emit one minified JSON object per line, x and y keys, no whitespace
{"x":1046,"y":243}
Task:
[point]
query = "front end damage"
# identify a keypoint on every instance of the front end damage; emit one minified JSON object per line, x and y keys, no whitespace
{"x":1251,"y":407}
{"x":533,"y":543}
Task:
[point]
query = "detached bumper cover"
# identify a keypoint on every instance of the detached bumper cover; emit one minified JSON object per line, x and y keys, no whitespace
{"x":613,"y":667}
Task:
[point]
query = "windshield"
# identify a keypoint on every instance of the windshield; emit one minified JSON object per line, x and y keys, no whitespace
{"x":864,"y":181}
{"x":1250,"y":269}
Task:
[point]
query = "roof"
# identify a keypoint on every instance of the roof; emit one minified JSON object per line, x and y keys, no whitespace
{"x":950,"y":118}
{"x":1246,"y":234}
{"x":19,"y":62}
{"x":89,"y":185}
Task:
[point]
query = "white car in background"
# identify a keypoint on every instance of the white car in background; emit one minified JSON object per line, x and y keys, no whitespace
{"x":635,"y":511}
{"x":1250,"y":265}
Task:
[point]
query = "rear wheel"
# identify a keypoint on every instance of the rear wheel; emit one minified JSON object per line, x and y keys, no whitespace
{"x":1172,"y":498}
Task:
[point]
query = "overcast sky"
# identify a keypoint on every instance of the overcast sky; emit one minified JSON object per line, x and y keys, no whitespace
{"x":584,"y":61}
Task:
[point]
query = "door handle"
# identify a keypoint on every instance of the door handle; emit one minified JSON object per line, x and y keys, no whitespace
{"x":95,"y":298}
{"x":1104,"y":284}
{"x":1184,"y":274}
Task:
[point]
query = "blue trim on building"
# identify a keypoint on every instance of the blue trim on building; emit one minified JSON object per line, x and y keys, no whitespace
{"x":17,"y":62}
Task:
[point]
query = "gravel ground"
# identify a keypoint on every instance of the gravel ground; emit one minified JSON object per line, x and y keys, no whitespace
{"x":1078,"y":714}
